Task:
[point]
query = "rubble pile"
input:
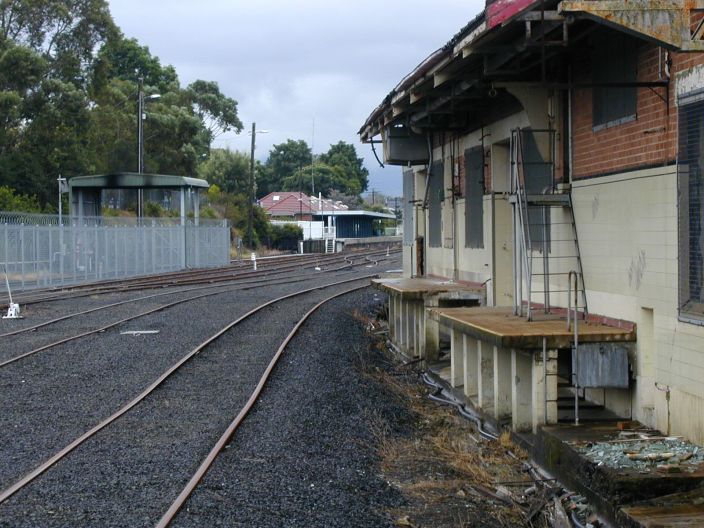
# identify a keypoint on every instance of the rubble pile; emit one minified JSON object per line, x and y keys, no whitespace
{"x":644,"y":453}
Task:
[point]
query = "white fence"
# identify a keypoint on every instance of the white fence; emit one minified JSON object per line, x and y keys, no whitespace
{"x":41,"y":251}
{"x":312,"y":229}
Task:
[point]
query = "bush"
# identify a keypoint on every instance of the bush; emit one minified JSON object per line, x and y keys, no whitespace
{"x":285,"y":237}
{"x":10,"y":201}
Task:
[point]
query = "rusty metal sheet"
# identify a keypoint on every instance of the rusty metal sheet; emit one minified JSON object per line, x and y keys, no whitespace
{"x":666,"y":22}
{"x":500,"y":11}
{"x":602,"y":365}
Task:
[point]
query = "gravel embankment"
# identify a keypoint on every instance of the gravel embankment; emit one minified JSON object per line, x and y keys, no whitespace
{"x":51,"y":398}
{"x":153,"y":450}
{"x":305,"y":456}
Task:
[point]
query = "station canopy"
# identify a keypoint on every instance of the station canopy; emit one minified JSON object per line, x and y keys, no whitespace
{"x":85,"y":191}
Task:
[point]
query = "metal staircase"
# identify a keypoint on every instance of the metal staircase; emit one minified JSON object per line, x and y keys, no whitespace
{"x":541,"y":209}
{"x":329,"y":245}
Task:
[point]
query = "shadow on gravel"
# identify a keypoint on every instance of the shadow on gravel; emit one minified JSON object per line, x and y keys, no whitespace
{"x":448,"y":475}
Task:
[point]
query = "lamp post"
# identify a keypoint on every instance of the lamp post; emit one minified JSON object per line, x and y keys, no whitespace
{"x":252,"y":186}
{"x":141,"y":99}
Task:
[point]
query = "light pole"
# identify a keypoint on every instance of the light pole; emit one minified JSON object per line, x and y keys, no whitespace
{"x":252,"y":186}
{"x":63,"y":187}
{"x":141,"y":99}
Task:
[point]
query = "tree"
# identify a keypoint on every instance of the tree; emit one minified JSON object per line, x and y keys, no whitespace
{"x":217,"y":112}
{"x":65,"y":32}
{"x":325,"y":179}
{"x":344,"y":156}
{"x":284,"y":160}
{"x":11,"y":201}
{"x":350,"y":200}
{"x":227,"y":169}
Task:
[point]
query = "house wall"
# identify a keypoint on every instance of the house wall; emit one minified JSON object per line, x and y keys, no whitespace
{"x":624,"y":188}
{"x":629,"y":244}
{"x":477,"y":264}
{"x":649,"y":140}
{"x":626,"y":208}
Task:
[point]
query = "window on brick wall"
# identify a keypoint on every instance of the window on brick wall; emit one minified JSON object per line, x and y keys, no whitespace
{"x":614,"y":60}
{"x":690,"y":183}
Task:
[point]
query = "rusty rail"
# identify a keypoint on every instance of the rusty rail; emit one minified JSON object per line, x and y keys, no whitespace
{"x":43,"y":467}
{"x":227,"y":435}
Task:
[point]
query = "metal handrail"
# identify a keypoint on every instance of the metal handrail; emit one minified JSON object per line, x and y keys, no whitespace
{"x":575,"y":366}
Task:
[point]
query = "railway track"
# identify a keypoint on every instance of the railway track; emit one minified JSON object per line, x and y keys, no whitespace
{"x":180,"y":404}
{"x":191,"y":277}
{"x":237,"y":283}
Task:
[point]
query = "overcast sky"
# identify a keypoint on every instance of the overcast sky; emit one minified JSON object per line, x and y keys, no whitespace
{"x":290,"y":64}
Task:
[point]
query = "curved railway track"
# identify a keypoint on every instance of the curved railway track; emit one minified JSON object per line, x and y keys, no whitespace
{"x":213,"y":354}
{"x":191,"y":277}
{"x":248,"y":285}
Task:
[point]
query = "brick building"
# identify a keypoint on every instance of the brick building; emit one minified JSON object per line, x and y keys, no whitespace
{"x":552,"y":152}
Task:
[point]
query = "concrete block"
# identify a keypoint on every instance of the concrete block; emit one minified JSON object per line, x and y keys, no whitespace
{"x":486,"y":376}
{"x":502,"y":382}
{"x":456,"y":359}
{"x":521,"y":391}
{"x":471,"y":364}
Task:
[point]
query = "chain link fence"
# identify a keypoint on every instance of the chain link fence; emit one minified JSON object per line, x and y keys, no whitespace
{"x":42,"y":250}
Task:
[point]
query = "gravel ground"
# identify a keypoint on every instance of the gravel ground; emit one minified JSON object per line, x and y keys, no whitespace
{"x":42,"y":412}
{"x":305,"y":455}
{"x":40,"y":312}
{"x":154,"y":450}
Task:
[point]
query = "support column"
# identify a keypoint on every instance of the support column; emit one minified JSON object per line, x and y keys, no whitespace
{"x":418,"y":327}
{"x":521,"y":392}
{"x":486,"y":376}
{"x":502,"y":382}
{"x":541,"y":390}
{"x":392,"y":318}
{"x":471,"y":363}
{"x":456,"y":359}
{"x":431,"y":343}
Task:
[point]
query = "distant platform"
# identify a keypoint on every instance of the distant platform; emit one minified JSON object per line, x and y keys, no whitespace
{"x":420,"y":288}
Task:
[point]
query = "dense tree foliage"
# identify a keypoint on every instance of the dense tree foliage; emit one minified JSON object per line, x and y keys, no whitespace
{"x":290,"y":167}
{"x":228,"y":170}
{"x":69,"y":83}
{"x":11,"y":201}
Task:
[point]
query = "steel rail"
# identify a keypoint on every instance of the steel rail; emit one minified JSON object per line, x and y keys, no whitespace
{"x":183,"y":278}
{"x":227,"y":435}
{"x":158,"y":280}
{"x":264,"y":280}
{"x":133,"y":317}
{"x":43,"y":467}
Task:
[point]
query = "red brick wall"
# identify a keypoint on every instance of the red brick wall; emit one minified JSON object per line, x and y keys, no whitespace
{"x":649,"y":140}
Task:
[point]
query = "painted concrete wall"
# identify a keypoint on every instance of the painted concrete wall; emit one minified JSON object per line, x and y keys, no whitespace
{"x":629,"y":242}
{"x":476,"y":264}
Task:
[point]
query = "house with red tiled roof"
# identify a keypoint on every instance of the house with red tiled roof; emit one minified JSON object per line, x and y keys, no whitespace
{"x":298,"y":206}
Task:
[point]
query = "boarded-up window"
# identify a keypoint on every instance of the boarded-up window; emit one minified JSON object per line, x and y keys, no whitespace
{"x":690,"y":183}
{"x":474,"y":198}
{"x":614,"y":60}
{"x":435,"y":198}
{"x":407,"y":210}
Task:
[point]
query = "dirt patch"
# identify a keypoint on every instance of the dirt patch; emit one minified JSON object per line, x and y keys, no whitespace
{"x":449,"y":474}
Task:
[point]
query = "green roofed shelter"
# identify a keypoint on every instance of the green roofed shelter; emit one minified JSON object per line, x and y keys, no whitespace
{"x":85,"y":192}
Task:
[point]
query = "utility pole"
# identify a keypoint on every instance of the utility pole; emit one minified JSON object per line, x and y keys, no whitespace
{"x":250,"y":221}
{"x":140,"y":142}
